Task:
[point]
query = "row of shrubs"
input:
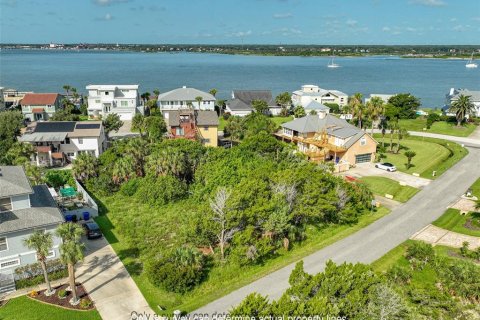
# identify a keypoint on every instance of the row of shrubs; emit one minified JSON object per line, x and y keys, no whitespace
{"x":32,"y":274}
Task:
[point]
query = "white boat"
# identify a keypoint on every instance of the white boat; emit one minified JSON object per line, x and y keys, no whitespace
{"x":470,"y":63}
{"x":331,"y":64}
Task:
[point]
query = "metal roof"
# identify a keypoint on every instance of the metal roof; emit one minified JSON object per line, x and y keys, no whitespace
{"x":238,"y":105}
{"x":185,"y":94}
{"x":43,"y":137}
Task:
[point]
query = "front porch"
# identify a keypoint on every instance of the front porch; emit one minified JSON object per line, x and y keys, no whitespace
{"x":48,"y":156}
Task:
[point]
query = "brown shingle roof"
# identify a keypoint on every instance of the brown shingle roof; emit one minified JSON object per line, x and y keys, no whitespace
{"x":39,"y":99}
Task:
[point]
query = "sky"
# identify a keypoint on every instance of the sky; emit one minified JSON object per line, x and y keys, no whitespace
{"x":241,"y":21}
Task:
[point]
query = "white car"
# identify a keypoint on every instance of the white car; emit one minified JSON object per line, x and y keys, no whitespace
{"x":386,"y":166}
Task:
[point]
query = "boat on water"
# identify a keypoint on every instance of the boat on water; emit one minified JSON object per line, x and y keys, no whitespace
{"x":470,"y":64}
{"x":332,"y":64}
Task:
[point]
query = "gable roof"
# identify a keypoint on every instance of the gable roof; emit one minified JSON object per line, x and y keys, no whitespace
{"x":39,"y":99}
{"x":13,"y":181}
{"x":247,"y":96}
{"x":475,"y":95}
{"x":315,"y":105}
{"x":55,"y":126}
{"x":185,"y":94}
{"x":58,"y":130}
{"x":238,"y":105}
{"x":313,"y":123}
{"x":43,"y":212}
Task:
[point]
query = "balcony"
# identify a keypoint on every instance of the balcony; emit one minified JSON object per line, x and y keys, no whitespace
{"x":44,"y":149}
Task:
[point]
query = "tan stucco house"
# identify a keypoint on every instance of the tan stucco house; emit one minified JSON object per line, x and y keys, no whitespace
{"x":323,"y":137}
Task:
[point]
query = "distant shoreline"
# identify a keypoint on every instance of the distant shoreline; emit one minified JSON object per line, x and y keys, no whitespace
{"x":259,"y":54}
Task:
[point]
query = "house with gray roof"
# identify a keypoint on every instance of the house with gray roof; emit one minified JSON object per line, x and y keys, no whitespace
{"x":241,"y":102}
{"x":200,"y":125}
{"x":324,"y":137}
{"x":314,"y":107}
{"x":23,"y":209}
{"x":183,"y":98}
{"x":453,"y":95}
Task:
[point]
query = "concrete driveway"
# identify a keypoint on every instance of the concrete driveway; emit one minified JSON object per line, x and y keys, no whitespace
{"x":368,"y":169}
{"x":435,"y":235}
{"x":109,"y":284}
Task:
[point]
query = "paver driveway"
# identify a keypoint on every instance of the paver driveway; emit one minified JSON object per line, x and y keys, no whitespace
{"x":110,"y":286}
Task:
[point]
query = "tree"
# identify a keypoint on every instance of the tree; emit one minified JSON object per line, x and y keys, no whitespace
{"x":145,"y":96}
{"x":124,"y":169}
{"x":10,"y":124}
{"x":167,"y":161}
{"x":155,"y":127}
{"x":139,"y":123}
{"x":357,"y":108}
{"x":199,"y":100}
{"x":284,"y":99}
{"x":235,"y":128}
{"x":156,"y":92}
{"x":34,"y":173}
{"x":71,"y":252}
{"x":299,"y":112}
{"x":220,"y":216}
{"x":405,"y":104}
{"x":260,"y":106}
{"x":85,"y":166}
{"x":67,"y":88}
{"x":462,"y":107}
{"x":112,"y":123}
{"x":375,"y":109}
{"x":42,"y":243}
{"x":139,"y":150}
{"x":213,"y":92}
{"x":409,"y":154}
{"x":401,"y":134}
{"x":19,"y":153}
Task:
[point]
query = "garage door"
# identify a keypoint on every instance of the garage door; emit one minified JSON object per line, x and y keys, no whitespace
{"x":125,"y":116}
{"x":360,"y":158}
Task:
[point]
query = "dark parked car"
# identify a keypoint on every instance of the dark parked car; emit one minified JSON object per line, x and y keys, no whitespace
{"x":92,"y":230}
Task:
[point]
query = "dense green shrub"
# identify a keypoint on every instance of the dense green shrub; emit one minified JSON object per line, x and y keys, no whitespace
{"x":431,"y":118}
{"x":32,"y":274}
{"x":420,"y":253}
{"x":130,"y":187}
{"x":162,"y":190}
{"x":178,"y":271}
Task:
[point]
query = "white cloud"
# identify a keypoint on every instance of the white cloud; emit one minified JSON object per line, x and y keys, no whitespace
{"x":476,"y":18}
{"x":282,"y":15}
{"x":410,"y":29}
{"x":453,"y":19}
{"x":429,"y":3}
{"x":240,"y":34}
{"x":386,"y":29}
{"x":461,"y":27}
{"x":106,"y":17}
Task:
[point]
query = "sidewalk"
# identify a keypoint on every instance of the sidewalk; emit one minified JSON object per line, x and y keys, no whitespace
{"x":435,"y":235}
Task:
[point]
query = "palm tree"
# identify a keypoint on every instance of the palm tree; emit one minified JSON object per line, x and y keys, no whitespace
{"x":375,"y":109}
{"x":42,"y":243}
{"x":189,"y":105}
{"x":235,"y":128}
{"x":199,"y":100}
{"x":213,"y":91}
{"x":71,"y":252}
{"x":139,"y":123}
{"x":84,"y":166}
{"x":401,"y":133}
{"x":355,"y":103}
{"x":156,"y":92}
{"x":124,"y":169}
{"x":167,"y":161}
{"x":138,"y":149}
{"x":409,"y":154}
{"x":462,"y":107}
{"x":67,"y":88}
{"x":393,"y":126}
{"x":187,"y":256}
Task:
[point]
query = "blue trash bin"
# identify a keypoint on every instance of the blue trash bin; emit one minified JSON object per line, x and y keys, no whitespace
{"x":68,"y":218}
{"x":86,"y":216}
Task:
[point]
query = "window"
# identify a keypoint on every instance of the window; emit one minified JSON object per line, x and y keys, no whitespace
{"x":287,"y":132}
{"x":5,"y":204}
{"x":124,"y":103}
{"x":363,"y":141}
{"x":206,"y":140}
{"x":97,"y":101}
{"x":3,"y":244}
{"x":9,"y":263}
{"x":70,"y":154}
{"x":67,"y":140}
{"x":80,"y":141}
{"x":107,"y":93}
{"x":180,"y":132}
{"x":205,"y":128}
{"x":124,"y":90}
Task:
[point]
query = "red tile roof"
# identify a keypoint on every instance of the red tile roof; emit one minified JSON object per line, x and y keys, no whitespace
{"x":39,"y":99}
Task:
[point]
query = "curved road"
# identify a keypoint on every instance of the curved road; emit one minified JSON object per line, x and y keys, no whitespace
{"x":375,"y":240}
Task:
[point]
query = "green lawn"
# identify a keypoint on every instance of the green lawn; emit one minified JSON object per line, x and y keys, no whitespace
{"x":382,"y":186}
{"x":452,"y":220}
{"x":432,"y":155}
{"x":24,"y":308}
{"x":440,"y":127}
{"x":476,"y":189}
{"x":221,"y":280}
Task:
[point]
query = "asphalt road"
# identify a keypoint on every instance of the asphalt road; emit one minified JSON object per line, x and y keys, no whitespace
{"x":375,"y":240}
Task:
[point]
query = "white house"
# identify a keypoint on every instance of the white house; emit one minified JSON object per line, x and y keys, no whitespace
{"x":316,"y":107}
{"x":310,"y":93}
{"x":183,"y":98}
{"x":2,"y":100}
{"x":455,"y":93}
{"x":123,"y":100}
{"x":59,"y":142}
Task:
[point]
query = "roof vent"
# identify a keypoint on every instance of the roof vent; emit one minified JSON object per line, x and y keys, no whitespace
{"x":184,"y":87}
